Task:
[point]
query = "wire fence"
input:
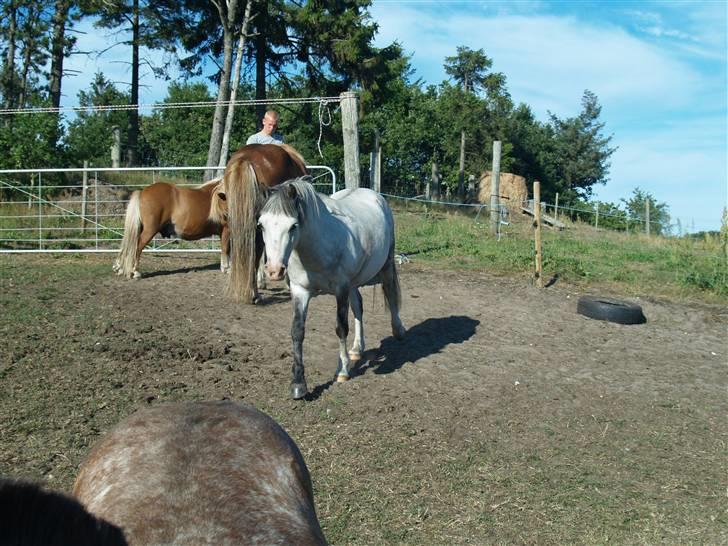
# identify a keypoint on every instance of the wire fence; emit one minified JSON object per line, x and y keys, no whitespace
{"x":85,"y":211}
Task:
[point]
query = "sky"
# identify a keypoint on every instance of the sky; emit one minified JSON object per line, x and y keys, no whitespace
{"x":658,"y":69}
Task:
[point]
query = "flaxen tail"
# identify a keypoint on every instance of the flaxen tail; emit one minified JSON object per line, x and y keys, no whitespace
{"x":132,"y":229}
{"x":244,"y":199}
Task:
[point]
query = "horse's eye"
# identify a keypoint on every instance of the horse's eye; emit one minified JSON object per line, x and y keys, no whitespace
{"x":293,"y":227}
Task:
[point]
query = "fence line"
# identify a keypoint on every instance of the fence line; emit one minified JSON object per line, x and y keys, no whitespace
{"x":61,"y":227}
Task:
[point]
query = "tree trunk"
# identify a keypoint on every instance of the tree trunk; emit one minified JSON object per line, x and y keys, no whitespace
{"x":223,"y":92}
{"x":132,"y":155}
{"x":8,"y":73}
{"x":234,"y":91}
{"x":57,"y":56}
{"x":260,"y":62}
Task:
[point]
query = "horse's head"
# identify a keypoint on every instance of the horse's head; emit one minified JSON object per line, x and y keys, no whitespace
{"x":279,"y":223}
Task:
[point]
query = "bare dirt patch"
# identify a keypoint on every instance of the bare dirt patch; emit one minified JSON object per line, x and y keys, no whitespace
{"x":504,"y":416}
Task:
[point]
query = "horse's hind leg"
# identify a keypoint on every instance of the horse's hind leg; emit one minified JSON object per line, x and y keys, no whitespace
{"x":144,"y":238}
{"x":342,"y":332}
{"x":390,"y":285}
{"x":357,"y":348}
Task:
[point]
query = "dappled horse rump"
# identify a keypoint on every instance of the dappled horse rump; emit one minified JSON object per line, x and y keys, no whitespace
{"x":201,"y":473}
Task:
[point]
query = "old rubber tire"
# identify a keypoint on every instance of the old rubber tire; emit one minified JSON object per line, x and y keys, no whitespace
{"x":609,"y":309}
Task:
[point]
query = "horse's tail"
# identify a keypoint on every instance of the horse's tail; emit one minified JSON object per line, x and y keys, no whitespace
{"x":244,"y":197}
{"x":132,"y":230}
{"x":390,"y":284}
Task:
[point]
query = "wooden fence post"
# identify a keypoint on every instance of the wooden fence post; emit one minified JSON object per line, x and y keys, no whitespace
{"x":647,"y":217}
{"x":435,"y":182}
{"x":537,"y":225}
{"x":350,"y":128}
{"x":495,"y":188}
{"x":556,"y":207}
{"x":596,"y":215}
{"x":116,"y":147}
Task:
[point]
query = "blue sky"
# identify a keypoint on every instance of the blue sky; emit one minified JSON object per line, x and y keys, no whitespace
{"x":658,"y":69}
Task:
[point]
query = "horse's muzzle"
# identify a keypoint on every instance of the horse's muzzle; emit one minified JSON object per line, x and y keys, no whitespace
{"x":275,"y":272}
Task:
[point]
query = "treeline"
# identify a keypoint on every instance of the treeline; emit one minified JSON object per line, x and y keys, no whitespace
{"x":291,"y":50}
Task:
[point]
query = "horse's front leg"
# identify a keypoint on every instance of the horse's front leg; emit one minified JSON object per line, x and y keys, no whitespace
{"x":300,"y":298}
{"x":259,"y":252}
{"x":342,"y":331}
{"x":225,"y":249}
{"x":357,"y":347}
{"x":260,"y":278}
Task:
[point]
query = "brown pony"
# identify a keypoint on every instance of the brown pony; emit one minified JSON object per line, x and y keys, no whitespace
{"x":201,"y":473}
{"x":188,"y":213}
{"x":248,"y":175}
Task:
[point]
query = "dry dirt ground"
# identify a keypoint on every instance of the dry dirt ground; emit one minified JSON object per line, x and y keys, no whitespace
{"x":503,"y":417}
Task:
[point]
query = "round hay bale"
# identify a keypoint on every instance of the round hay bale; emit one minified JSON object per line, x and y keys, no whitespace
{"x":512,"y":189}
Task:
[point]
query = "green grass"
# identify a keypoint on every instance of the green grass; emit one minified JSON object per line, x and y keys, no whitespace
{"x":625,"y":263}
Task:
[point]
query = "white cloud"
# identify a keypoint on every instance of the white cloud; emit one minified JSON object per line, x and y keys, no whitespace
{"x":657,"y":98}
{"x":548,"y":60}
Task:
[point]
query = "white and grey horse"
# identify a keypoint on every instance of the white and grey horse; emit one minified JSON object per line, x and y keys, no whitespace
{"x":330,"y":245}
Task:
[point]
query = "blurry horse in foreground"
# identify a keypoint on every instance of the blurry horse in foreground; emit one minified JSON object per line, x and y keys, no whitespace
{"x":248,"y":175}
{"x":201,"y":473}
{"x":188,"y":213}
{"x":33,"y":516}
{"x":330,"y":245}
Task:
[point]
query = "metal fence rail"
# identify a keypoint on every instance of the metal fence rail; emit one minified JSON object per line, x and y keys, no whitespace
{"x":86,"y":214}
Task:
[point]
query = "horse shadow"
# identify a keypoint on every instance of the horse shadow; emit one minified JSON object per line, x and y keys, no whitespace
{"x":187,"y":269}
{"x":426,"y":338}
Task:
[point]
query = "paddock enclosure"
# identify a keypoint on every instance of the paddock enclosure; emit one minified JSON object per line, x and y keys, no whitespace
{"x":502,"y":417}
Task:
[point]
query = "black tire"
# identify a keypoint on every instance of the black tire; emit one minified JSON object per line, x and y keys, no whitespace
{"x":611,"y":310}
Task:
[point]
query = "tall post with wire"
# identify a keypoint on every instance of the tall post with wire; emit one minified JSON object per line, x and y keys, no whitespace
{"x":495,"y":189}
{"x":537,"y":237}
{"x":350,"y":127}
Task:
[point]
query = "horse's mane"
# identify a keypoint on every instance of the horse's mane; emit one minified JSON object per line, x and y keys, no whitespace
{"x":209,"y":183}
{"x":218,"y":205}
{"x":293,"y":198}
{"x":295,"y":155}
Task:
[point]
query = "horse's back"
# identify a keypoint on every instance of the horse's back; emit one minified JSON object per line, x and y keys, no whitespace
{"x":367,"y":233}
{"x":205,"y":472}
{"x":272,"y":163}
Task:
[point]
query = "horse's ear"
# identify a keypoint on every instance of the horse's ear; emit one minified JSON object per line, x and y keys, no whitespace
{"x":291,"y":191}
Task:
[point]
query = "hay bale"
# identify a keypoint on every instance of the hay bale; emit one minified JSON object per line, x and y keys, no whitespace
{"x":512,"y":189}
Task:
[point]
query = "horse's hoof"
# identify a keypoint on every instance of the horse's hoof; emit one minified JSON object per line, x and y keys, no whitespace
{"x":399,"y":332}
{"x":354,"y":357}
{"x":298,"y":390}
{"x":136,"y":275}
{"x":341,"y":378}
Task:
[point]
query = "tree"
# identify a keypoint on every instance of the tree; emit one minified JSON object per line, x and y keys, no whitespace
{"x":139,"y":22}
{"x":90,"y":135}
{"x":470,"y":69}
{"x":659,"y":212}
{"x":179,"y":136}
{"x":581,"y":152}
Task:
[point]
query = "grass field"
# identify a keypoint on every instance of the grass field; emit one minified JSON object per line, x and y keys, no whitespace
{"x":631,"y":264}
